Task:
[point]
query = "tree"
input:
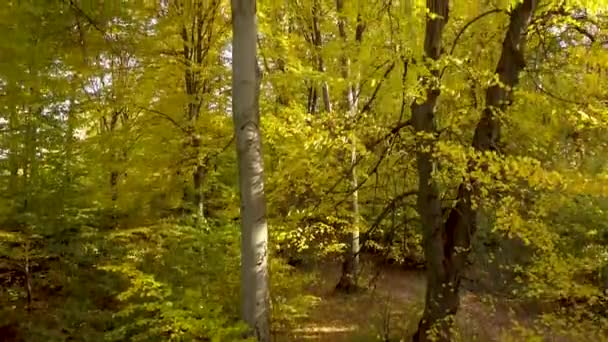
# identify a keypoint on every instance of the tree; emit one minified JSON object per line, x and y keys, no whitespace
{"x":245,"y":110}
{"x":448,"y":243}
{"x":436,"y":314}
{"x":198,"y":40}
{"x":350,"y":266}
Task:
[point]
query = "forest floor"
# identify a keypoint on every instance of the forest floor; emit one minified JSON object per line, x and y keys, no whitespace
{"x":388,"y":310}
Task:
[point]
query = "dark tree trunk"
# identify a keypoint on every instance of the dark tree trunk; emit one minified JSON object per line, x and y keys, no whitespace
{"x":348,"y":279}
{"x":114,"y":186}
{"x":318,"y":44}
{"x":196,"y":44}
{"x":447,"y":245}
{"x":439,"y":299}
{"x":312,"y":99}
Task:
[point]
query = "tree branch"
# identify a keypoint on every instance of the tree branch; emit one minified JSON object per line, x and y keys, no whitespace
{"x":387,"y":209}
{"x":367,"y":107}
{"x":165,"y":116}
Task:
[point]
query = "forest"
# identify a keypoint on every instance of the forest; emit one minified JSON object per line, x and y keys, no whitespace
{"x":304,"y":170}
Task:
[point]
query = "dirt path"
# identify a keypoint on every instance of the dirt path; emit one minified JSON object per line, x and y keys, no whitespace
{"x":391,"y":309}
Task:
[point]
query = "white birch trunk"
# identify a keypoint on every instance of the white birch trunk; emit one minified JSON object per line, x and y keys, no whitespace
{"x":350,"y":268}
{"x":255,"y":303}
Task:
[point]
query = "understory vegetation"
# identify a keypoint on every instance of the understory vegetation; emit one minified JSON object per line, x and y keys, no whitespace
{"x":429,"y":170}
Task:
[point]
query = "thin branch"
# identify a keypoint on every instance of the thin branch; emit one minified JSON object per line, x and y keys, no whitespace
{"x":92,"y":22}
{"x":394,"y":131}
{"x":374,"y":170}
{"x":464,"y":28}
{"x":387,"y":209}
{"x":367,"y":107}
{"x":471,"y":22}
{"x":210,"y":155}
{"x":165,"y":116}
{"x":542,"y":89}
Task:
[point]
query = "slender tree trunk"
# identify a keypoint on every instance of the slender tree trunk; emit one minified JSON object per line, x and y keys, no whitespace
{"x":325,"y":90}
{"x":198,"y":178}
{"x":311,"y":103}
{"x":283,"y":95}
{"x":318,"y":44}
{"x":196,"y":40}
{"x":447,"y":250}
{"x":350,"y":266}
{"x":30,"y":166}
{"x":27,"y":159}
{"x":194,"y":194}
{"x":14,"y":129}
{"x":67,"y":160}
{"x":28,"y":275}
{"x":114,"y":171}
{"x":254,"y":234}
{"x":114,"y":187}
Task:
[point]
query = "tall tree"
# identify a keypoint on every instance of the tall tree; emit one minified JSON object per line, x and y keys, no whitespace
{"x":245,"y":110}
{"x":348,"y":280}
{"x":429,"y":201}
{"x":448,"y":243}
{"x":199,"y":33}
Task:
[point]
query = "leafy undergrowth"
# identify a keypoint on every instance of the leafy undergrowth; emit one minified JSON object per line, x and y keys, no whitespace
{"x":170,"y":282}
{"x":166,"y":282}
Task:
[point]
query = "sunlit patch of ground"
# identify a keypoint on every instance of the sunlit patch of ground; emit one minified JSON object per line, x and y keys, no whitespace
{"x":390,"y":308}
{"x":323,"y":333}
{"x":363,"y":316}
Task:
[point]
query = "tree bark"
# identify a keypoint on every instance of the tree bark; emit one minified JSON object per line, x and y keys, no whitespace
{"x":245,"y":104}
{"x":350,"y":266}
{"x":311,"y":103}
{"x":447,"y":250}
{"x":110,"y":129}
{"x":14,"y":134}
{"x":318,"y":44}
{"x":196,"y":41}
{"x":68,"y":156}
{"x":439,"y":297}
{"x":198,"y":179}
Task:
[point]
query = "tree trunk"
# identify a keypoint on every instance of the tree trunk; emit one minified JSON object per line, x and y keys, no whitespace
{"x":194,"y":195}
{"x":255,"y":302}
{"x":196,"y":44}
{"x":28,"y":155}
{"x":283,"y":93}
{"x":198,"y":178}
{"x":114,"y":162}
{"x":311,"y":103}
{"x":318,"y":44}
{"x":350,"y":266}
{"x":67,"y":160}
{"x":447,"y":250}
{"x":14,"y":131}
{"x":440,"y":297}
{"x":114,"y":188}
